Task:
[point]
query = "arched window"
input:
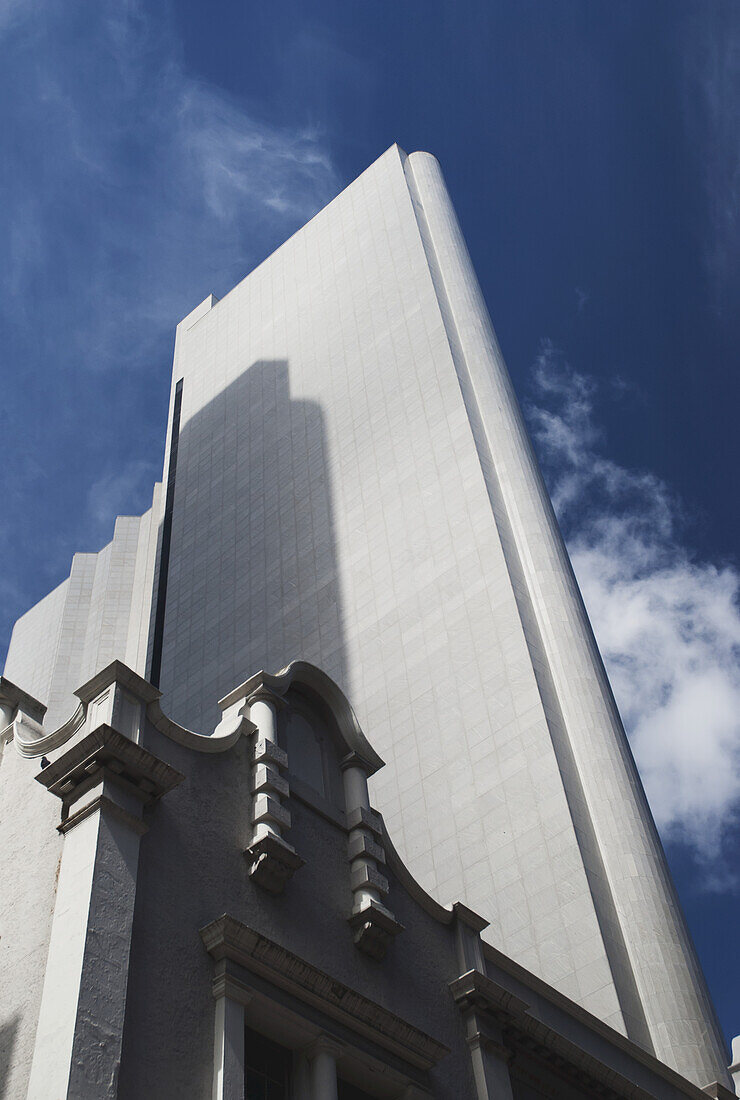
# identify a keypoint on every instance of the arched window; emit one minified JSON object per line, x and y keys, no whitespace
{"x":312,"y":754}
{"x":305,"y":751}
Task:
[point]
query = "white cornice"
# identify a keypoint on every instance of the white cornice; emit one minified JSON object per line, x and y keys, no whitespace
{"x":227,"y":938}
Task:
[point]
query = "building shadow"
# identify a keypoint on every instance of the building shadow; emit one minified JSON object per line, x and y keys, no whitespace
{"x":8,"y":1034}
{"x":252,"y":578}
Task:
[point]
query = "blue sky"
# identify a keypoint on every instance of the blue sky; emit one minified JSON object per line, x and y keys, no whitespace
{"x":155,"y":152}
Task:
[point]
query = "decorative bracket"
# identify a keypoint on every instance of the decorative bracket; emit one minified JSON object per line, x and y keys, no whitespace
{"x":373,"y":929}
{"x":373,"y":926}
{"x":272,"y":862}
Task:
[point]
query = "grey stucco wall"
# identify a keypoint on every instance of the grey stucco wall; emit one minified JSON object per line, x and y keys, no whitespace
{"x":192,"y":870}
{"x":29,"y":861}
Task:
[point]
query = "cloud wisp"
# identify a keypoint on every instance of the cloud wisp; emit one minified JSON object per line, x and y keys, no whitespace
{"x":667,"y":624}
{"x":134,"y":180}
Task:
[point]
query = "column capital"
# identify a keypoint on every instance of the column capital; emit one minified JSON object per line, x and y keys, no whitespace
{"x":264,"y":694}
{"x":262,"y":687}
{"x":325,"y":1044}
{"x":470,"y":919}
{"x":226,"y":984}
{"x":354,"y":760}
{"x":106,"y":754}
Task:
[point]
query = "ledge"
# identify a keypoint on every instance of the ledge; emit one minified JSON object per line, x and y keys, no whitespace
{"x":107,"y":753}
{"x":227,"y":938}
{"x":474,"y":991}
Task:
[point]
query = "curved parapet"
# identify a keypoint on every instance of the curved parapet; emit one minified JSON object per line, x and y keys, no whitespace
{"x":117,"y":696}
{"x":30,"y":739}
{"x":310,"y":678}
{"x":224,"y":736}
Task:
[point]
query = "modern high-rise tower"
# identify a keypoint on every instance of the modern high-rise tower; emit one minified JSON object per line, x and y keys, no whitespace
{"x":348,"y":481}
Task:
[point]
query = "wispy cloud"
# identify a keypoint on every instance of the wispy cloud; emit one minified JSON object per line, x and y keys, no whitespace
{"x":667,"y":624}
{"x":136,"y":180}
{"x":711,"y":50}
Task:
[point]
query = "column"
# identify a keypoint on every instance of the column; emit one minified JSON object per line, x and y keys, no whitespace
{"x":104,"y":781}
{"x":373,"y":925}
{"x":269,"y":815}
{"x":272,"y":860}
{"x":228,"y":1048}
{"x":490,"y":1059}
{"x":323,"y":1055}
{"x":368,"y":885}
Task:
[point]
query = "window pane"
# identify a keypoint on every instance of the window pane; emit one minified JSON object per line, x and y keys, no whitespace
{"x":304,"y":752}
{"x":255,"y":1086}
{"x":267,"y":1067}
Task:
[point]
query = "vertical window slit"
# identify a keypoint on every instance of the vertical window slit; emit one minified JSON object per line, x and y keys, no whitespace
{"x":164,"y":556}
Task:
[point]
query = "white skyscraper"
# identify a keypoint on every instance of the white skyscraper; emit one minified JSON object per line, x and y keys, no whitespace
{"x":348,"y":481}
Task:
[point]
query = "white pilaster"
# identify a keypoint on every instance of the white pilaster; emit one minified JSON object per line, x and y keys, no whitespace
{"x":104,"y":781}
{"x":228,"y":1046}
{"x":7,"y":712}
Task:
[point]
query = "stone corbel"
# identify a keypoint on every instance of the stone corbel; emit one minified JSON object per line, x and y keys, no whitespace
{"x":373,"y":925}
{"x":102,"y":762}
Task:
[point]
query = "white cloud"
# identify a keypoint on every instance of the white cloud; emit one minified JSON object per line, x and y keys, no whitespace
{"x":668,"y":625}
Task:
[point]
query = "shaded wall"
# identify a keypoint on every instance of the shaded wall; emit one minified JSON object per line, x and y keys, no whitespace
{"x":330,"y":506}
